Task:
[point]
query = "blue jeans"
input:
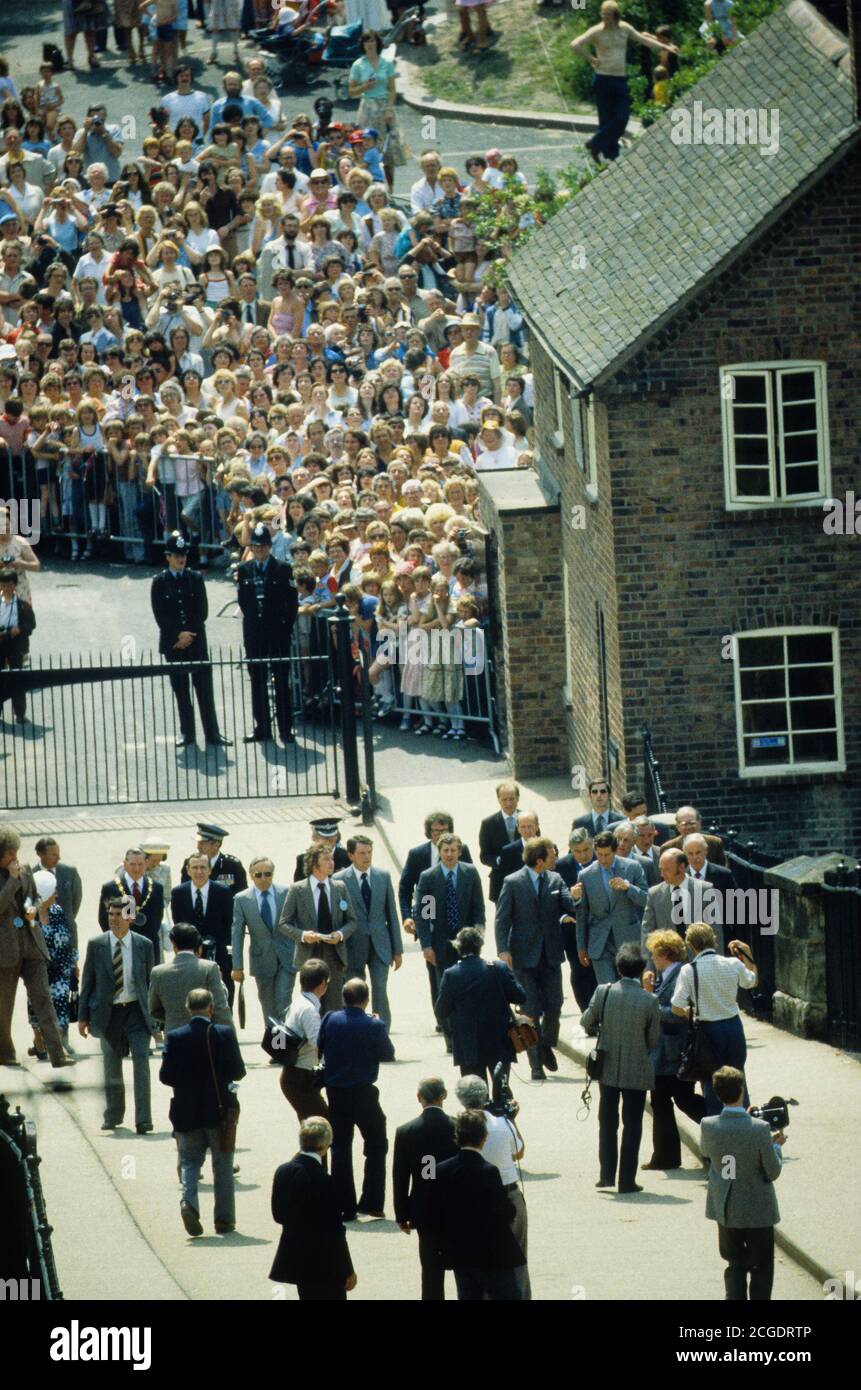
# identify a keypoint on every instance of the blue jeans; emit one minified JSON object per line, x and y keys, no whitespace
{"x":192,"y":1151}
{"x":730,"y":1049}
{"x":614,"y":107}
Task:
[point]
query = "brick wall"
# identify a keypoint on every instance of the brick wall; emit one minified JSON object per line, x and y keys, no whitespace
{"x":690,"y":572}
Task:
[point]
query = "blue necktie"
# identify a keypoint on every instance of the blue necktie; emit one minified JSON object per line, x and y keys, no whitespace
{"x":266,"y":911}
{"x":539,"y":884}
{"x":451,"y":906}
{"x":366,"y":892}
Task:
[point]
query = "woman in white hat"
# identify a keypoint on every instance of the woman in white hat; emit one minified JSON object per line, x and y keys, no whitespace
{"x":63,"y":962}
{"x":156,"y":851}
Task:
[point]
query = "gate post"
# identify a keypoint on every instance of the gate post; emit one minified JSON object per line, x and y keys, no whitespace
{"x":341,"y":624}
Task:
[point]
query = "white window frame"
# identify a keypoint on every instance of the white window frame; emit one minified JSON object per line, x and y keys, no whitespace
{"x":561,"y":394}
{"x":791,"y":769}
{"x":776,"y":370}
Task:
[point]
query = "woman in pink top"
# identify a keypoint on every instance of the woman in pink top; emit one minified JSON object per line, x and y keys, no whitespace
{"x":605,"y":47}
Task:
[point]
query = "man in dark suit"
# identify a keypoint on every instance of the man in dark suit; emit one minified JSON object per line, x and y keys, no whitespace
{"x":17,"y":623}
{"x":470,"y":1219}
{"x":634,"y":807}
{"x":420,"y":1145}
{"x":419,"y":858}
{"x":474,"y":1007}
{"x":352,"y":1044}
{"x":209,"y":907}
{"x":445,"y":899}
{"x":131,"y":881}
{"x":201,"y":1060}
{"x":252,"y":310}
{"x":569,"y":867}
{"x":689,"y":822}
{"x":702,"y":868}
{"x":741,"y":1196}
{"x":223,"y":868}
{"x":533,"y":905}
{"x":601,"y":816}
{"x":625,"y":834}
{"x":497,"y":831}
{"x":113,"y":1007}
{"x":511,"y":855}
{"x":312,"y":1252}
{"x":69,"y":889}
{"x":268,"y":601}
{"x":324,"y":832}
{"x":180,"y":608}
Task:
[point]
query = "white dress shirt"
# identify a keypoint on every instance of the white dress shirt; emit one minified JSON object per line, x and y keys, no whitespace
{"x":719,"y":979}
{"x":128,"y":994}
{"x":500,"y":1147}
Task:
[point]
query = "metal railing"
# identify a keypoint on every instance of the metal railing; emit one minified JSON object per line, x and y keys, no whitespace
{"x":95,"y":731}
{"x":26,"y":1253}
{"x":842,"y":907}
{"x":656,"y":799}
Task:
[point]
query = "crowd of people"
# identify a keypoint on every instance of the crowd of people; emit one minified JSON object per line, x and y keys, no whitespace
{"x":624,"y":905}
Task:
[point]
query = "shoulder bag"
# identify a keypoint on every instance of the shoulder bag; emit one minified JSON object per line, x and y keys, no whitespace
{"x":521,"y":1034}
{"x":595,"y":1060}
{"x":697,"y":1061}
{"x":228,"y":1117}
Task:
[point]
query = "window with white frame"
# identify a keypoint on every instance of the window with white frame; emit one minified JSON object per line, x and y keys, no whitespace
{"x":775,"y":433}
{"x":788,"y":701}
{"x":561,"y":393}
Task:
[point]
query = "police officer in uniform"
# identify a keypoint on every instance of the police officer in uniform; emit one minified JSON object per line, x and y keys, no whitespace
{"x":224,"y":868}
{"x":268,"y":601}
{"x":180,"y":608}
{"x":324,"y":832}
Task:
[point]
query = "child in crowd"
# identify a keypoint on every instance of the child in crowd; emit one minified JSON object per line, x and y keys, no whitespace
{"x":661,"y":86}
{"x":49,"y":96}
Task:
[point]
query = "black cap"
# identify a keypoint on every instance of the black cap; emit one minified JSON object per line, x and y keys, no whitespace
{"x":326,"y":827}
{"x":261,"y":535}
{"x":176,"y":544}
{"x":211,"y":832}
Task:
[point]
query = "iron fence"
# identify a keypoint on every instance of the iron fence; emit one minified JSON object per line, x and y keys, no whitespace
{"x":842,"y":904}
{"x":656,"y":799}
{"x":95,"y":731}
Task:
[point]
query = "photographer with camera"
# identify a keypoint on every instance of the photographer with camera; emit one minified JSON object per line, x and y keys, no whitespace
{"x":745,"y":1160}
{"x":100,"y":143}
{"x":504,"y":1148}
{"x":710,"y":985}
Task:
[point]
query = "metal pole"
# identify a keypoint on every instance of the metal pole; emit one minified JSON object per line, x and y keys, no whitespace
{"x":369,"y":796}
{"x":341,"y":624}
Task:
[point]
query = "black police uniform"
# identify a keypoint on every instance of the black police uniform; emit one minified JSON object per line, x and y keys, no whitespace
{"x":179,"y":604}
{"x":226,"y":869}
{"x":268,"y":602}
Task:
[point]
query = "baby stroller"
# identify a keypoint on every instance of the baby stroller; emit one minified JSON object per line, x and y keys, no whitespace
{"x":309,"y":51}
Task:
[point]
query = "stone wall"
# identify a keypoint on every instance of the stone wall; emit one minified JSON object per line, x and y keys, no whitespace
{"x":800,"y":1000}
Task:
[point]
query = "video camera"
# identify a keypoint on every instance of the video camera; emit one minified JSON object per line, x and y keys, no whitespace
{"x":207,"y":947}
{"x":775,"y":1113}
{"x":502,"y":1102}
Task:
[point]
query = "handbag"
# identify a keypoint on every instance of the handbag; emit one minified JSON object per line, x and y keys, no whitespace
{"x":281,"y":1045}
{"x":228,"y":1116}
{"x":698,"y":1060}
{"x":595,"y":1060}
{"x":521,"y":1034}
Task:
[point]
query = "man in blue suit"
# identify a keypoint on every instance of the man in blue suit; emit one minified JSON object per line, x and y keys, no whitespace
{"x":200,"y":1061}
{"x":207,"y":905}
{"x":610,"y":907}
{"x":352,"y":1044}
{"x":532,"y":907}
{"x":376,"y":944}
{"x":474,"y":1004}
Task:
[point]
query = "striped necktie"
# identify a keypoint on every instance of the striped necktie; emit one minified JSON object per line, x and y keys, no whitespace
{"x":451,"y":903}
{"x":118,"y":969}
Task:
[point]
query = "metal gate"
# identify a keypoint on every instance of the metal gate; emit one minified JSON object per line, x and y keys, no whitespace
{"x":102,"y":731}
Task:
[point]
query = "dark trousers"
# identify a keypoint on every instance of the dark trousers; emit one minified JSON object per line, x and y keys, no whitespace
{"x":730,"y":1050}
{"x":262,"y":674}
{"x":583,"y":981}
{"x":433,"y":1270}
{"x":633,"y":1105}
{"x":224,"y":963}
{"x":445,"y":956}
{"x":322,"y":1293}
{"x":127,"y":1027}
{"x":614,"y":107}
{"x":180,"y":683}
{"x":497,"y":1285}
{"x":304,"y":1094}
{"x":351,"y":1108}
{"x":747,"y":1251}
{"x":666,"y":1144}
{"x":543,"y":985}
{"x":19,"y":694}
{"x":475,"y":1069}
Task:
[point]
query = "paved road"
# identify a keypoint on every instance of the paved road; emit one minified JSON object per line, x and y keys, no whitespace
{"x":116,"y":1194}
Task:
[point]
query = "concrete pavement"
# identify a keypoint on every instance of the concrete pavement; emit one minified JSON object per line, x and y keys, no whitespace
{"x":113,"y":1199}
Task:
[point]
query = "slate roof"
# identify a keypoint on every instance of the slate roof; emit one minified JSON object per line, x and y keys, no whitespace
{"x":667,"y":217}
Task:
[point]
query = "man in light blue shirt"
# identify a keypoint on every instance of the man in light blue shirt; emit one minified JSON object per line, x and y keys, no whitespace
{"x":233,"y":97}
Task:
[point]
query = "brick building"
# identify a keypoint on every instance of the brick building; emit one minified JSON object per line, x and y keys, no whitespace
{"x":698,"y":400}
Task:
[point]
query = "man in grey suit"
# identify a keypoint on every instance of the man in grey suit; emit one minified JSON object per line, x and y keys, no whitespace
{"x":629,"y":1020}
{"x":675,"y":903}
{"x":113,"y":1007}
{"x":610,"y":907}
{"x":270,"y":955}
{"x":625,"y":834}
{"x":532,"y":905}
{"x":446,"y":898}
{"x":69,"y":890}
{"x":318,"y":919}
{"x":171,"y":983}
{"x":745,"y":1161}
{"x":376,"y":944}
